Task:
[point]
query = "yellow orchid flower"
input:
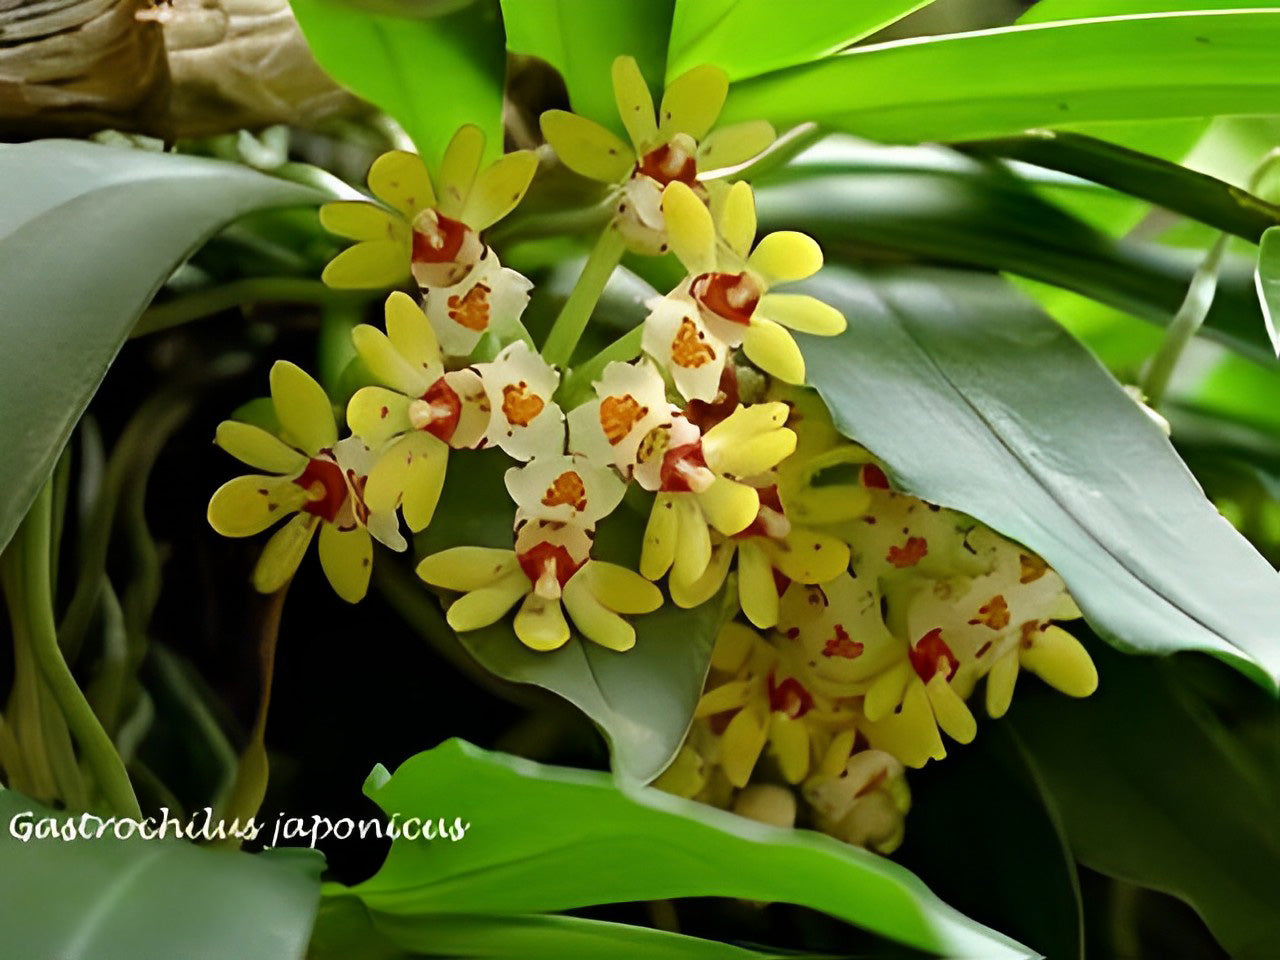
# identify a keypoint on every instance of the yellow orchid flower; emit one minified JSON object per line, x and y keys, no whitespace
{"x":863,"y":803}
{"x":311,"y":477}
{"x":425,"y":226}
{"x":676,"y":145}
{"x":727,"y":301}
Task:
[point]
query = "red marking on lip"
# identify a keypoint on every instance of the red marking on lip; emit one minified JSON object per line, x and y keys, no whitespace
{"x":931,"y":655}
{"x":329,"y":476}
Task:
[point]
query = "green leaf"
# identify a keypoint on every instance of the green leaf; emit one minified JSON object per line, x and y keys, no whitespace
{"x":88,"y":234}
{"x":431,"y":75}
{"x":992,"y":83}
{"x":581,"y":840}
{"x":979,"y":402}
{"x":1267,"y":278}
{"x":1167,"y":777}
{"x":934,"y":204}
{"x":581,"y":39}
{"x":749,"y":37}
{"x":641,"y":700}
{"x":111,"y":899}
{"x":1172,"y":186}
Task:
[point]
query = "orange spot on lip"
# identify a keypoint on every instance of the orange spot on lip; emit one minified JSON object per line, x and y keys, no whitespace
{"x":908,"y":555}
{"x":618,"y":415}
{"x":690,"y":349}
{"x":994,"y":613}
{"x":1032,"y":567}
{"x":471,"y":310}
{"x":519,"y":406}
{"x":842,"y":645}
{"x":566,"y":489}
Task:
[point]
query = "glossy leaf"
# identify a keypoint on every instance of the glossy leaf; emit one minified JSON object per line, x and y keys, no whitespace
{"x":979,"y":402}
{"x":88,"y":234}
{"x":1167,"y":778}
{"x":641,"y":700}
{"x":749,"y":37}
{"x":1268,"y":283}
{"x":431,"y":74}
{"x":1004,"y":81}
{"x":110,"y":899}
{"x":581,"y":840}
{"x":581,"y":38}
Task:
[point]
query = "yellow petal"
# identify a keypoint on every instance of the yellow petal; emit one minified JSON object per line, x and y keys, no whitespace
{"x":738,"y":218}
{"x":732,"y":145}
{"x":283,"y":552}
{"x":802,"y":312}
{"x":467,"y":568}
{"x":400,"y":180}
{"x":594,"y":620}
{"x":807,"y":556}
{"x":790,"y":741}
{"x":837,"y":754}
{"x":728,"y":696}
{"x":734,"y":644}
{"x":347,"y":559}
{"x":695,"y":594}
{"x":751,"y":440}
{"x":756,"y":589}
{"x":258,"y":448}
{"x":458,"y":169}
{"x":1061,"y":661}
{"x":692,"y":102}
{"x":487,"y":605}
{"x":410,"y":333}
{"x":690,"y":230}
{"x":685,"y":776}
{"x":952,"y":713}
{"x":1000,"y":683}
{"x":785,"y":256}
{"x":729,"y":506}
{"x":385,"y":362}
{"x":302,"y":407}
{"x":376,"y":414}
{"x":499,"y":188}
{"x":659,"y":549}
{"x":360,"y":220}
{"x":635,"y":103}
{"x":741,"y":744}
{"x":411,"y":474}
{"x":587,"y":148}
{"x":248,"y":505}
{"x":621,"y":589}
{"x":540,"y":624}
{"x":694,"y":552}
{"x":910,"y":734}
{"x":886,"y":691}
{"x":369,"y":266}
{"x":772,"y":349}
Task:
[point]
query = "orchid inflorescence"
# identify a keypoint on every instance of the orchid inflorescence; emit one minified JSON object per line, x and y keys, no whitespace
{"x":867,"y":616}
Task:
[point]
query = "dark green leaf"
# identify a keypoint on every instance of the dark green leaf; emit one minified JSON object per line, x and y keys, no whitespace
{"x":978,"y":401}
{"x":580,"y":840}
{"x":1167,"y":778}
{"x":581,"y":39}
{"x":641,"y":700}
{"x":750,"y":37}
{"x":88,"y":234}
{"x":431,"y":75}
{"x":999,"y":82}
{"x":1268,"y":281}
{"x":110,"y":899}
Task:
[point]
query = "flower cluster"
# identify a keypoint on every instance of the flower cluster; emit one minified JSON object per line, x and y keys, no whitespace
{"x":868,"y":617}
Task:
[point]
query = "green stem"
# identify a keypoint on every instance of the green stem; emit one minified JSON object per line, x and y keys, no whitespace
{"x":24,"y":710}
{"x":567,"y":330}
{"x":578,"y":383}
{"x":95,"y":746}
{"x":203,"y":303}
{"x":1186,"y":322}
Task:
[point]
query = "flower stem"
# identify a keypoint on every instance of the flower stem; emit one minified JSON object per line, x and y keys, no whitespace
{"x":567,"y":330}
{"x":578,"y":383}
{"x":98,"y":751}
{"x":203,"y":303}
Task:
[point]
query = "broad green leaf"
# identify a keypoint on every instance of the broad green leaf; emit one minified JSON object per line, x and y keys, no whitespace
{"x":581,"y":39}
{"x":1268,"y":282}
{"x":581,"y":840}
{"x":1167,"y":777}
{"x":1003,"y":81}
{"x":88,"y":234}
{"x":979,"y":402}
{"x":431,"y":75}
{"x":1045,"y":11}
{"x":1169,"y":185}
{"x":750,"y":37}
{"x":930,"y":203}
{"x":641,"y":700}
{"x":112,"y":899}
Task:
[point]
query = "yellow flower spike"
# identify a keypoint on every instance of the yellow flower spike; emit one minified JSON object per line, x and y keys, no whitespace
{"x":737,"y":218}
{"x":467,"y":568}
{"x":257,"y":448}
{"x":635,"y":103}
{"x":799,"y":311}
{"x":487,"y":605}
{"x":1001,"y":681}
{"x":401,"y":181}
{"x":347,"y":559}
{"x":1061,"y":661}
{"x":587,"y":148}
{"x":750,"y":441}
{"x":245,"y":506}
{"x":302,"y":408}
{"x":742,"y":743}
{"x":728,"y":506}
{"x":695,"y":594}
{"x":756,"y":590}
{"x":770,"y":347}
{"x":409,"y":474}
{"x":693,"y":101}
{"x":540,"y":624}
{"x":953,"y":716}
{"x":734,"y":643}
{"x":690,"y":229}
{"x":661,"y":533}
{"x":623,"y":590}
{"x":283,"y":553}
{"x":789,"y":743}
